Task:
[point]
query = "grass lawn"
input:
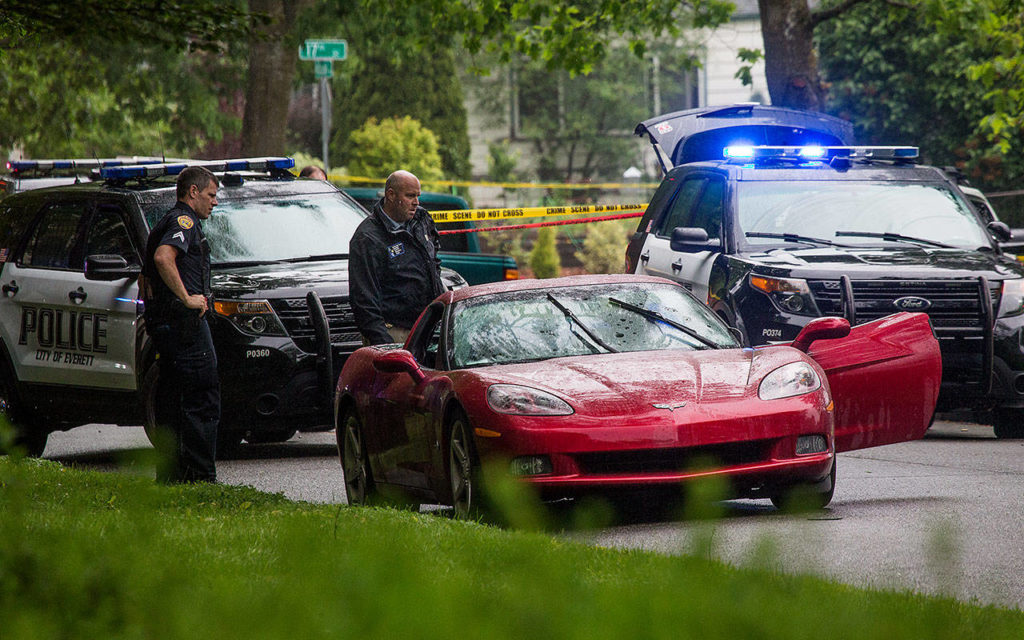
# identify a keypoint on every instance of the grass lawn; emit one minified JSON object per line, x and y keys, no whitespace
{"x":101,"y":555}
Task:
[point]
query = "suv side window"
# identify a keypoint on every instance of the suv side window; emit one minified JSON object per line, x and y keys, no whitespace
{"x":708,"y":214}
{"x":53,"y":241}
{"x":678,"y":214}
{"x":108,"y":234}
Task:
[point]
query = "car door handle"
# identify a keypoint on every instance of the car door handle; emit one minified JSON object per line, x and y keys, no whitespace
{"x":645,"y":256}
{"x":677,"y":265}
{"x":78,"y":297}
{"x":11,"y":289}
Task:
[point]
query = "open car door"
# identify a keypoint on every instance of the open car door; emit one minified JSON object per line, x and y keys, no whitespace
{"x":884,"y":378}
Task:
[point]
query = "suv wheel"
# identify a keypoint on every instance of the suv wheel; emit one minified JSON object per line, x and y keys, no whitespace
{"x":1008,"y":423}
{"x":28,"y":436}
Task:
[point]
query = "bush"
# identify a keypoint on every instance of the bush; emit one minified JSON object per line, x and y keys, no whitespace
{"x":544,"y":260}
{"x":379,"y":148}
{"x":604,"y":248}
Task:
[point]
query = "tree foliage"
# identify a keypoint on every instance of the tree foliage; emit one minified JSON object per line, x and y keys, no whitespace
{"x":903,"y":78}
{"x":544,"y":259}
{"x":380,"y":147}
{"x":107,"y":99}
{"x":196,"y":24}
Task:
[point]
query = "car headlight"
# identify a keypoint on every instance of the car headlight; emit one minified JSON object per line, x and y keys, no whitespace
{"x":254,"y":317}
{"x":1012,"y":301}
{"x":789,"y":294}
{"x":518,"y":400}
{"x":793,"y":379}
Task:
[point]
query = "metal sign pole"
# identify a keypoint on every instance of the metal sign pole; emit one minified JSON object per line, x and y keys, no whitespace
{"x":325,"y":119}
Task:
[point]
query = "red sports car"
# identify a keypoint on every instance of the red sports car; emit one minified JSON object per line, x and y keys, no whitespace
{"x":621,"y":383}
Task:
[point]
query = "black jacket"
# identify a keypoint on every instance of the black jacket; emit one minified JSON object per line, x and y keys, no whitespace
{"x":393,"y":275}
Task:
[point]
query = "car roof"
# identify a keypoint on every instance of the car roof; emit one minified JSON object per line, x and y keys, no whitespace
{"x":432,"y":198}
{"x":858,"y":171}
{"x":529,"y":284}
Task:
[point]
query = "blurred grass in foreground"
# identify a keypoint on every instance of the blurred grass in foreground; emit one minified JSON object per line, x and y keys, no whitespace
{"x":98,"y":555}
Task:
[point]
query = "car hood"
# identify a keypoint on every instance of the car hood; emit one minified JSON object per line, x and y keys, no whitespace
{"x":695,"y":135}
{"x":294,"y":279}
{"x":635,"y":381}
{"x":876,"y":262}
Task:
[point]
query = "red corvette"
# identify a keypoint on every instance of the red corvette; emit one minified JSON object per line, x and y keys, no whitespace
{"x":621,"y":383}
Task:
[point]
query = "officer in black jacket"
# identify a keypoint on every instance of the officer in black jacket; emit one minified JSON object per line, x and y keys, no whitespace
{"x":394,"y":269}
{"x":175,"y":285}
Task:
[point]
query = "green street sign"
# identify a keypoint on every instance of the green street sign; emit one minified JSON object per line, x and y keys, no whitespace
{"x":323,"y":50}
{"x":323,"y":69}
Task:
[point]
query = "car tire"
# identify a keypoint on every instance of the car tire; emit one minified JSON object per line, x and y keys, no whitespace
{"x":1008,"y":424}
{"x":807,"y":497}
{"x":464,"y":470}
{"x":29,"y":437}
{"x":360,"y":489}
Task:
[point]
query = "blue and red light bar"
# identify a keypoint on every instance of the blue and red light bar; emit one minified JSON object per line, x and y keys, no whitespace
{"x":746,"y":152}
{"x":217,"y":166}
{"x":77,"y":164}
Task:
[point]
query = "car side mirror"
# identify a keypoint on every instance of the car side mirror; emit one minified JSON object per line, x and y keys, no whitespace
{"x":821,"y":329}
{"x":399,"y":361}
{"x":1000,"y":230}
{"x":692,"y":239}
{"x":109,"y":267}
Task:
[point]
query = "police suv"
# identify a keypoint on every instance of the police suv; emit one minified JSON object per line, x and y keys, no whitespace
{"x":72,"y":346}
{"x":790,"y":223}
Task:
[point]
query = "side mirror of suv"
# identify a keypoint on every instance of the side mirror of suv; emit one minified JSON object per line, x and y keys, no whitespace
{"x":692,"y":239}
{"x":1000,"y":230}
{"x":109,"y":267}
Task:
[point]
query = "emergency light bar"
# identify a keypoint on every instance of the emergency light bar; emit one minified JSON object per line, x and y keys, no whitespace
{"x":819,"y":153}
{"x":174,"y":168}
{"x":74,"y":164}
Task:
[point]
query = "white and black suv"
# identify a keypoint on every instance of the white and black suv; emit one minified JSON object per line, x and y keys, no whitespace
{"x":73,"y":349}
{"x":774,"y":219}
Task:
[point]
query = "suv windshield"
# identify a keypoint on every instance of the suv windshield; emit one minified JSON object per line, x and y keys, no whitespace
{"x":529,"y":325}
{"x":819,"y":209}
{"x":272,"y":227}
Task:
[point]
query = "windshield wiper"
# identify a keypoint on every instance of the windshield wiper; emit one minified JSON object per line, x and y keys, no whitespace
{"x":234,"y":264}
{"x":323,"y":256}
{"x":572,"y":316}
{"x":655,"y":316}
{"x":793,"y":237}
{"x":893,"y":237}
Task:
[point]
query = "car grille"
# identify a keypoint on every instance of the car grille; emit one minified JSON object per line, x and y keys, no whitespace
{"x":955,"y":311}
{"x":294,"y":314}
{"x":673,"y":460}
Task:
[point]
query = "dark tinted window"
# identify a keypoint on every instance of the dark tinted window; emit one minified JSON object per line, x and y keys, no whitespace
{"x":108,"y":234}
{"x":708,"y":214}
{"x":678,"y":214}
{"x":54,"y":240}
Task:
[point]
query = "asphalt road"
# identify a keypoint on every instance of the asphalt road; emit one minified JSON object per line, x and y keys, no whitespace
{"x":943,"y":515}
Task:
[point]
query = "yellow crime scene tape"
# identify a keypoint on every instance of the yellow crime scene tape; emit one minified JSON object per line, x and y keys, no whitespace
{"x":509,"y":185}
{"x":476,"y":215}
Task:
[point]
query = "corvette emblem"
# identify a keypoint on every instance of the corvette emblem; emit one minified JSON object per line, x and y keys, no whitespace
{"x":670,"y":407}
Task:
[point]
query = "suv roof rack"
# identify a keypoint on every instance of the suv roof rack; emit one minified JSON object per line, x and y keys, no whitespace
{"x":816,"y":153}
{"x":272,"y":165}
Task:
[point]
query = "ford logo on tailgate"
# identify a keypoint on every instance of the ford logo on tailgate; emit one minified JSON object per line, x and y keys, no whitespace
{"x":911,"y":303}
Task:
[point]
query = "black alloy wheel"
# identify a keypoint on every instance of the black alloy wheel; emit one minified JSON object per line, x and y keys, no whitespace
{"x":359,"y":486}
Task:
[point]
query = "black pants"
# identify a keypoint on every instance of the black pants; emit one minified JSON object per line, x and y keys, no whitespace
{"x":188,"y":401}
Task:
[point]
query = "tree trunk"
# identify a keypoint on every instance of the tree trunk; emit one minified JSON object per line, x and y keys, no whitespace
{"x":791,"y":64}
{"x":272,"y":58}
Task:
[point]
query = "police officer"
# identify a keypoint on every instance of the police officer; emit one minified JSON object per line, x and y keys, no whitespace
{"x":394,"y":269}
{"x":175,"y":285}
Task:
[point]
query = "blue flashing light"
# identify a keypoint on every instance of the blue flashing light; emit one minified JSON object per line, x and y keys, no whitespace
{"x":738,"y":152}
{"x":812,"y":152}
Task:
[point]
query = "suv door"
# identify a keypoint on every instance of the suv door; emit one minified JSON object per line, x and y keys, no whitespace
{"x":698,"y":202}
{"x":59,"y":327}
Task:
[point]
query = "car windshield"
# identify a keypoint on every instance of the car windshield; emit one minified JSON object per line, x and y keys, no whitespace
{"x":528,"y":325}
{"x":275,"y":227}
{"x":927,"y":212}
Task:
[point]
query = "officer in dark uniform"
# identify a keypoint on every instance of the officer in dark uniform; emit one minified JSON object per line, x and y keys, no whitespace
{"x":394,"y":269}
{"x":175,"y":285}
